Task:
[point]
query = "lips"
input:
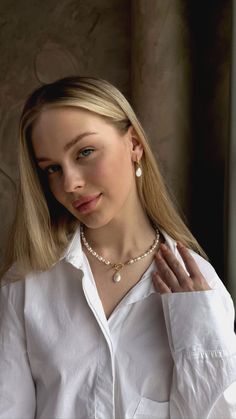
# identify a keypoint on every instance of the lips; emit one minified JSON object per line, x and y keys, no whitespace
{"x":85,"y":203}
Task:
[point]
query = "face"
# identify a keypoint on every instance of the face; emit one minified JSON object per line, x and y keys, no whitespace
{"x":88,"y":163}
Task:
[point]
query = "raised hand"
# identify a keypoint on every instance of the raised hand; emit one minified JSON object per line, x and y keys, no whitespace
{"x":172,"y":277}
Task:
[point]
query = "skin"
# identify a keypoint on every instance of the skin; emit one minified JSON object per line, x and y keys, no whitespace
{"x":90,"y":166}
{"x":171,"y":277}
{"x":103,"y":162}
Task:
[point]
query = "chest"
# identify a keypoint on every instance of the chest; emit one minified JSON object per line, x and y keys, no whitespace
{"x":111,"y":293}
{"x":64,"y":335}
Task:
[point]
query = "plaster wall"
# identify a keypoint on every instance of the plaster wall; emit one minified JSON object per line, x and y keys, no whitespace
{"x":170,"y":58}
{"x":41,"y":41}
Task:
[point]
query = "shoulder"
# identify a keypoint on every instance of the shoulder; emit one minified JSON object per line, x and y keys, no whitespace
{"x":207,"y":270}
{"x":215,"y":283}
{"x":12,"y":293}
{"x":13,"y":274}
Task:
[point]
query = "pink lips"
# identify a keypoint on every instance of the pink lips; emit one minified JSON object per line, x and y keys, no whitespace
{"x":85,"y":203}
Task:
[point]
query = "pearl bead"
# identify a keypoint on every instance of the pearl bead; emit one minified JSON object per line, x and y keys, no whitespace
{"x":139,"y":172}
{"x":117,"y":277}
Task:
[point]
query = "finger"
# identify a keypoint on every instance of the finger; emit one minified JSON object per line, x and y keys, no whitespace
{"x":160,"y":285}
{"x":165,"y":272}
{"x":189,"y":261}
{"x":174,"y":265}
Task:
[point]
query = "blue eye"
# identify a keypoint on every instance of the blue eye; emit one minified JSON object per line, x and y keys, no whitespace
{"x":86,"y":152}
{"x":52,"y":169}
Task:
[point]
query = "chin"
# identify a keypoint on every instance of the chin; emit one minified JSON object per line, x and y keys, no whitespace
{"x":94,"y":222}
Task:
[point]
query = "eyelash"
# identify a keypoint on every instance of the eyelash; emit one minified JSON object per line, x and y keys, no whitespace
{"x":53,"y":166}
{"x":86,"y":149}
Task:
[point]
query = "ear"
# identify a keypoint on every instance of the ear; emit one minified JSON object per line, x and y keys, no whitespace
{"x":136,"y":147}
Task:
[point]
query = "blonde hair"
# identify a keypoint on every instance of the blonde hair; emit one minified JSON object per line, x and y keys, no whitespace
{"x":42,"y":226}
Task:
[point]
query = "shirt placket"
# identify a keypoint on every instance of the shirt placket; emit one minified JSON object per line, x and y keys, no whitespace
{"x":105,"y":381}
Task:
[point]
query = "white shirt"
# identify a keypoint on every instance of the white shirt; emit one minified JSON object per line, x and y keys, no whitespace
{"x":170,"y":356}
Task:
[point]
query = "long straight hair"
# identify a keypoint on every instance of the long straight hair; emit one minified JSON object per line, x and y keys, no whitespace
{"x":42,"y":226}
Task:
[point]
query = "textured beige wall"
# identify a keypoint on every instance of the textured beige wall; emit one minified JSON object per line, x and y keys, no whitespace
{"x":171,"y":57}
{"x":161,"y":86}
{"x":181,"y":92}
{"x":44,"y":40}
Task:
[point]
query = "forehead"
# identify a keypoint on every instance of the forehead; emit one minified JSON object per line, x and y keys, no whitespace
{"x":56,"y":127}
{"x":56,"y":118}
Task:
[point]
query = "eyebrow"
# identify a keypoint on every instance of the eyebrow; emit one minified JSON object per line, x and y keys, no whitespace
{"x":70,"y":144}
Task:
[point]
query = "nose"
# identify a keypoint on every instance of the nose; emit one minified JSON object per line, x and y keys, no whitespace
{"x":73,"y":179}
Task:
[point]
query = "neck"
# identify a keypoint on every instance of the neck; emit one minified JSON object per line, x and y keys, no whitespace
{"x":122,"y":239}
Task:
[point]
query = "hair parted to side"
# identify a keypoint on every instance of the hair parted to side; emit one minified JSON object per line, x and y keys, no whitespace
{"x":42,"y":226}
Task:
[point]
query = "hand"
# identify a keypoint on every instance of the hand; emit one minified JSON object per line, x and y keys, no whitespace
{"x":171,"y":276}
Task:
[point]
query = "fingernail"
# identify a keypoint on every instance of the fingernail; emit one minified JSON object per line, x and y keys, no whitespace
{"x":179,"y":244}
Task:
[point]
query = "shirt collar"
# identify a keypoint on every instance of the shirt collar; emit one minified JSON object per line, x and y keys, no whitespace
{"x":74,"y":253}
{"x":171,"y":243}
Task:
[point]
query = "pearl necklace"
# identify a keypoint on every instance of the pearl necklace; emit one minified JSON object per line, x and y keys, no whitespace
{"x":118,"y":266}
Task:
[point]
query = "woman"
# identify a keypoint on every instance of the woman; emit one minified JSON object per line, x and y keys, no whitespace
{"x":93,"y":325}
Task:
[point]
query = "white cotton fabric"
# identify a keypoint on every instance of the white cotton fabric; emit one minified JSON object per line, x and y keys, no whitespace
{"x":170,"y":356}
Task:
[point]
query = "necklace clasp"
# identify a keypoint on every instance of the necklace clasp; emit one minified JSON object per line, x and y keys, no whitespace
{"x":118,"y":266}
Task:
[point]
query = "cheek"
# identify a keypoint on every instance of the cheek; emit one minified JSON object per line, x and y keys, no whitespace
{"x":55,"y":187}
{"x":114,"y":167}
{"x":101,"y":171}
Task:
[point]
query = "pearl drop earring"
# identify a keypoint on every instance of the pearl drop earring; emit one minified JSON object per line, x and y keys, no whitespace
{"x":138,"y":171}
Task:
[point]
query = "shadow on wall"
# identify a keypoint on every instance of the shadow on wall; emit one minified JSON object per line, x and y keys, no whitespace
{"x":210,"y":27}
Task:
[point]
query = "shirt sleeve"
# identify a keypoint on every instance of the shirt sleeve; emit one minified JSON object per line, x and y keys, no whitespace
{"x":17,"y":391}
{"x":200,"y":327}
